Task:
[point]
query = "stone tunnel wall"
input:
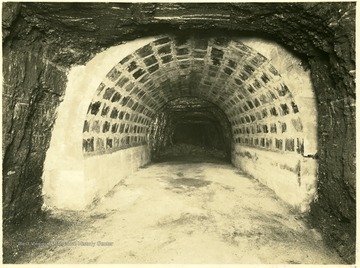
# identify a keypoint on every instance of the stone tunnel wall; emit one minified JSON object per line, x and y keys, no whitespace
{"x":38,"y":51}
{"x":291,"y":132}
{"x":67,"y":172}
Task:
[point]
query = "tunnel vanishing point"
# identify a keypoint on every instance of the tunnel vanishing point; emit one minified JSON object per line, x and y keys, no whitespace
{"x":93,"y":91}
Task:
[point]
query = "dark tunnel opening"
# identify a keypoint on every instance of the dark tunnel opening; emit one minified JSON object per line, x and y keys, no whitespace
{"x":199,"y":133}
{"x":191,"y":128}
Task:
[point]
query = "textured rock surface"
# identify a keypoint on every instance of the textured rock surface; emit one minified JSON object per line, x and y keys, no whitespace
{"x":32,"y":89}
{"x":42,"y":40}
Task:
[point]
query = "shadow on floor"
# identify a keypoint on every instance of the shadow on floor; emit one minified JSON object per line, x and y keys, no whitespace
{"x":22,"y":240}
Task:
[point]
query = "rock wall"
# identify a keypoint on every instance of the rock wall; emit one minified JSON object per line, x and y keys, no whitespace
{"x":41,"y":40}
{"x":33,"y":87}
{"x":334,"y":211}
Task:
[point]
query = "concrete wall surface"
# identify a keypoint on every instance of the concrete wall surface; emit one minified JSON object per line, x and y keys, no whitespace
{"x":291,"y":176}
{"x":76,"y":189}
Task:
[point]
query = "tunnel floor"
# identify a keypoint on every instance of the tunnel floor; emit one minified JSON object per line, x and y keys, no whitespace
{"x":183,"y":212}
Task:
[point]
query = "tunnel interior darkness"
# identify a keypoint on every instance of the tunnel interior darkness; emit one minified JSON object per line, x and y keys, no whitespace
{"x":194,"y":132}
{"x":191,"y":121}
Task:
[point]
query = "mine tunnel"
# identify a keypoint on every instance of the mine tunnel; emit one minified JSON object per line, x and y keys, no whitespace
{"x":191,"y":123}
{"x":92,"y":93}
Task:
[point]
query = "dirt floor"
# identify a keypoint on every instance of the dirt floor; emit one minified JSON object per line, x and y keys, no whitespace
{"x":177,"y":212}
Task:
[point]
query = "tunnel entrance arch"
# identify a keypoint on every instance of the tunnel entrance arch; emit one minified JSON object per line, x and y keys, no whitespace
{"x":272,"y":115}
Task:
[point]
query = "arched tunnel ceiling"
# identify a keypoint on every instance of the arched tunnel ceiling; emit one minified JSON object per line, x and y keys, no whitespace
{"x":224,"y":71}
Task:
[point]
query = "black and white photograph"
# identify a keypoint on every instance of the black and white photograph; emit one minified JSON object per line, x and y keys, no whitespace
{"x":179,"y":133}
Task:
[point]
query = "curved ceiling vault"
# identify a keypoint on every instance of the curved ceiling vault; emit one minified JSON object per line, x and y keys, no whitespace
{"x":226,"y":72}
